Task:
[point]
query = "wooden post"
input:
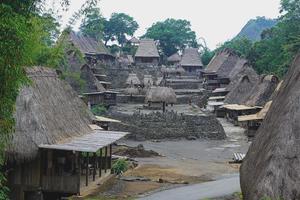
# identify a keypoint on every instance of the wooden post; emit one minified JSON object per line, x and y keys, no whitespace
{"x":110,"y":156}
{"x":100,"y":163}
{"x":105,"y":158}
{"x":87,"y":170}
{"x":79,"y":172}
{"x":94,"y":167}
{"x":164,"y":106}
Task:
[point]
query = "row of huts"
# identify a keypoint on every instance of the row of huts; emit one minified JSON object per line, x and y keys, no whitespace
{"x":58,"y":148}
{"x":237,"y":91}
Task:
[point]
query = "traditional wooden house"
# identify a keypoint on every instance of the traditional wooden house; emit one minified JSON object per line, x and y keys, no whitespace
{"x":133,"y":80}
{"x":161,"y":95}
{"x":147,"y":53}
{"x":93,"y":51}
{"x":234,"y":111}
{"x":191,"y":61}
{"x":225,"y":65}
{"x":174,"y":59}
{"x":54,"y":152}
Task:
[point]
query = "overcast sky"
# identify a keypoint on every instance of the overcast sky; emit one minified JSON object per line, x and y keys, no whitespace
{"x":215,"y":20}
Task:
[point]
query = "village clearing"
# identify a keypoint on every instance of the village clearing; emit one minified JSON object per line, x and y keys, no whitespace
{"x":181,"y":162}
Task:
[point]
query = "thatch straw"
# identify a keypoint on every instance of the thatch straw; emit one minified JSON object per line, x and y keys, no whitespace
{"x":47,"y":112}
{"x":133,"y":80}
{"x":262,"y":91}
{"x":92,"y":84}
{"x":271,"y":166}
{"x":241,"y":85}
{"x":148,"y":81}
{"x":160,"y":95}
{"x":131,"y":91}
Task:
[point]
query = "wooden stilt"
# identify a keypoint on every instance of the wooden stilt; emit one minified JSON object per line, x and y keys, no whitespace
{"x":94,"y":166}
{"x":105,"y":158}
{"x":100,"y":163}
{"x":87,"y":170}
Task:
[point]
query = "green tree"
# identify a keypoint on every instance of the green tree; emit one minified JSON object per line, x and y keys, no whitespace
{"x":93,"y":24}
{"x":242,"y":46}
{"x":118,"y":27}
{"x":173,"y":35}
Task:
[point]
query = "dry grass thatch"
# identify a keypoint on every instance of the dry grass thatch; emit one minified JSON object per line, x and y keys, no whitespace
{"x":133,"y":80}
{"x":92,"y":84}
{"x":160,"y":95}
{"x":147,"y":48}
{"x":240,"y":86}
{"x":47,"y":112}
{"x":148,"y":81}
{"x":174,"y":58}
{"x":226,"y":64}
{"x":272,"y":165}
{"x":132,"y":91}
{"x":191,"y":57}
{"x":263,"y":91}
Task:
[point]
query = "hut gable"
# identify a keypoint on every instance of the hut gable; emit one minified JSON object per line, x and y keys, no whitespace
{"x":88,"y":45}
{"x":91,"y":82}
{"x":47,"y":111}
{"x":226,"y":64}
{"x":239,"y":88}
{"x":147,"y":49}
{"x":191,"y":57}
{"x":271,"y":166}
{"x":161,"y":95}
{"x":263,"y":90}
{"x":133,"y":80}
{"x":175,"y":58}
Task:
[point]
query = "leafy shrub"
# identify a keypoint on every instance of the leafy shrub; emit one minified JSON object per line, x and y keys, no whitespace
{"x":119,"y":166}
{"x":99,"y":110}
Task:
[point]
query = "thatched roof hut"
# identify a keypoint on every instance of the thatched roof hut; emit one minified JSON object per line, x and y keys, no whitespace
{"x":240,"y":87}
{"x":148,"y":81}
{"x":175,"y":58}
{"x":91,"y":84}
{"x":131,"y":91}
{"x":191,"y":59}
{"x":47,"y":112}
{"x":133,"y":80}
{"x":161,"y":95}
{"x":226,"y":64}
{"x":134,"y":40}
{"x":147,"y":49}
{"x":271,"y":167}
{"x":262,"y":91}
{"x":88,"y":45}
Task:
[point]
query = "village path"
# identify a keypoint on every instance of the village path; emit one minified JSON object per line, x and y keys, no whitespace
{"x":222,"y":187}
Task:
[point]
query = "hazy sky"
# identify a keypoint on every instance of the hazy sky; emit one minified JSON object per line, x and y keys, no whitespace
{"x":215,"y":20}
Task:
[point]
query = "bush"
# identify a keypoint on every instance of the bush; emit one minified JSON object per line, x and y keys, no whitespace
{"x":120,"y":166}
{"x":99,"y":110}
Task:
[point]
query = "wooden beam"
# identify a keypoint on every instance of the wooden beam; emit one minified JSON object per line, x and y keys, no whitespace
{"x":110,"y":155}
{"x":79,"y":172}
{"x":87,"y":170}
{"x":94,"y":167}
{"x":105,"y":158}
{"x":100,"y":163}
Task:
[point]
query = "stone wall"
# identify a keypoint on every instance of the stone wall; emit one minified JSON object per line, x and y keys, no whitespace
{"x":168,"y":125}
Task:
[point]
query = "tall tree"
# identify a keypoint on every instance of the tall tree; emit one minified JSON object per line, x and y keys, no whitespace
{"x":93,"y":24}
{"x":118,"y":27}
{"x":173,"y":35}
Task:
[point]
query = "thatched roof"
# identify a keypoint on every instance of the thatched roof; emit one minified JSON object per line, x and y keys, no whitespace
{"x":148,"y":81}
{"x":174,"y":58}
{"x":147,"y":48}
{"x":134,"y":40}
{"x":88,"y":45}
{"x":47,"y":112}
{"x":258,"y":116}
{"x":92,"y":84}
{"x":133,"y":80}
{"x":226,"y":64}
{"x":161,"y":94}
{"x":263,"y":90}
{"x":191,"y":57}
{"x":242,"y":84}
{"x":271,"y":167}
{"x":131,"y":91}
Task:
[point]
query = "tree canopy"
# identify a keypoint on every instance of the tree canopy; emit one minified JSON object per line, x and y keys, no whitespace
{"x":93,"y":24}
{"x":173,"y":35}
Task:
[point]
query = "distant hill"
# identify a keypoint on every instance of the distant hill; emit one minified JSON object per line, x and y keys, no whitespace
{"x":253,"y":29}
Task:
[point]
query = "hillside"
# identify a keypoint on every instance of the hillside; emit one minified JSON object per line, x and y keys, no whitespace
{"x":253,"y":29}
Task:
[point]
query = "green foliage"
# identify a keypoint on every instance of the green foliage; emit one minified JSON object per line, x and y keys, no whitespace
{"x":173,"y":35}
{"x":242,"y":46}
{"x":99,"y":110}
{"x":120,"y":166}
{"x":93,"y":24}
{"x":118,"y":27}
